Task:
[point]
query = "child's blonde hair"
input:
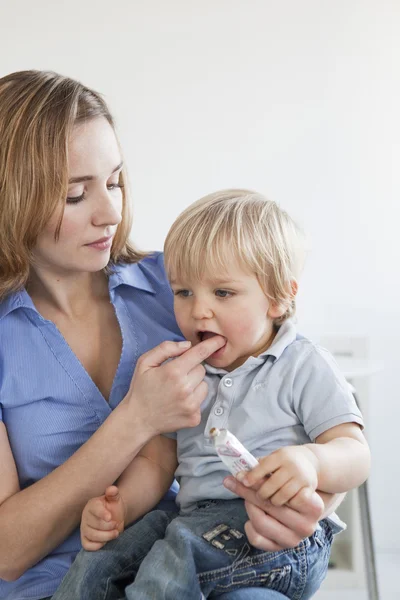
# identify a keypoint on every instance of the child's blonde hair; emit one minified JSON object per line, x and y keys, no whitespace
{"x":242,"y":226}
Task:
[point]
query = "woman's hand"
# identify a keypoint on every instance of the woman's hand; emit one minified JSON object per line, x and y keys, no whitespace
{"x":272,"y":527}
{"x":167,"y":395}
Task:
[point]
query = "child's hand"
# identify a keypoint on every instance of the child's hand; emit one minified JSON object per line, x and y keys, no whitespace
{"x":102,"y":519}
{"x":288,"y":469}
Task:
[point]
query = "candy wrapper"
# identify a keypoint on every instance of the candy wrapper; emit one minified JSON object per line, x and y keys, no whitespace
{"x":232,"y":453}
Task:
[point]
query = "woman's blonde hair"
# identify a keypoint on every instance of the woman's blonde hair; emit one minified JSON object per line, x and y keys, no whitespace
{"x":38,"y":110}
{"x":240,"y":226}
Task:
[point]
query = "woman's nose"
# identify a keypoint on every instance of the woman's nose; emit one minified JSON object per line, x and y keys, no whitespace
{"x":108,"y":210}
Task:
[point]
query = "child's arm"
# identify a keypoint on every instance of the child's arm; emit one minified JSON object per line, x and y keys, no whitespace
{"x":343,"y":458}
{"x":140,"y":487}
{"x":147,"y":479}
{"x":339,"y":461}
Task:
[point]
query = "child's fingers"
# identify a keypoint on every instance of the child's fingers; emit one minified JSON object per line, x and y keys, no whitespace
{"x":286,"y":493}
{"x":91,"y":546}
{"x":92,"y":521}
{"x":266,"y":466}
{"x":98,"y":535}
{"x":98,"y":509}
{"x":273,"y":484}
{"x":112,"y":493}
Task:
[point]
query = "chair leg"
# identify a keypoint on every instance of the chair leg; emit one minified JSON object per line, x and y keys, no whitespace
{"x":368,"y":543}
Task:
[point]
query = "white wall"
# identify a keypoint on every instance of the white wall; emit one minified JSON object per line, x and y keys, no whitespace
{"x":298,"y":99}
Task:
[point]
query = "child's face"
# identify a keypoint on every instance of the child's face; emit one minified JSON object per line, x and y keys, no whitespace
{"x":233,"y":306}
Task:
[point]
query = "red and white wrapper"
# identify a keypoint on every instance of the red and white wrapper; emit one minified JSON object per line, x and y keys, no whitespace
{"x":232,"y":453}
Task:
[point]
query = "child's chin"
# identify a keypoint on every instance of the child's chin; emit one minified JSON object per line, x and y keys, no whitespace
{"x":220,"y":363}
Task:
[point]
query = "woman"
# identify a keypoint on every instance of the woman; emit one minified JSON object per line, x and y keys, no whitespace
{"x":78,"y":306}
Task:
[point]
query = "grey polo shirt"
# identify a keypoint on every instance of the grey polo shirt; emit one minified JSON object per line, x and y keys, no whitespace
{"x":288,"y":395}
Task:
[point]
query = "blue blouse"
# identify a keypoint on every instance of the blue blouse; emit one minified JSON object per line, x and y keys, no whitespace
{"x":50,"y":405}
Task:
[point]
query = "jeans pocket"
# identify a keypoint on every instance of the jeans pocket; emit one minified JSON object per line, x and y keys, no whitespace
{"x":264,"y":576}
{"x":277,"y":579}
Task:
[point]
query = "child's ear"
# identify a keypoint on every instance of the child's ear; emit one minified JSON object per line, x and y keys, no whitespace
{"x":294,"y":286}
{"x":276,"y":310}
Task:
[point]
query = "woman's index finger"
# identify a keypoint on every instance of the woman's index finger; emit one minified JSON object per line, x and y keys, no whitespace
{"x":197,"y":354}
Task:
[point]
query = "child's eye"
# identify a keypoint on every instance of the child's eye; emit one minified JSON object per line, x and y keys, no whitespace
{"x":223,"y":293}
{"x":183,"y":293}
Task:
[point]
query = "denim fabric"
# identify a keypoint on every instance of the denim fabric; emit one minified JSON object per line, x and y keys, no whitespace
{"x":204,"y":553}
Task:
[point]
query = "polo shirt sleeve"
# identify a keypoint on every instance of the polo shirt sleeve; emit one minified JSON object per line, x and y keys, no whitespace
{"x":322,"y":396}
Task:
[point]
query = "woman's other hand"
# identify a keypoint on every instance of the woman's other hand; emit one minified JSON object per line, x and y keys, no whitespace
{"x":272,"y":527}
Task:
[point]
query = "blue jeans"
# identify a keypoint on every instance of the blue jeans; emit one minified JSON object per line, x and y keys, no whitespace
{"x":204,"y":553}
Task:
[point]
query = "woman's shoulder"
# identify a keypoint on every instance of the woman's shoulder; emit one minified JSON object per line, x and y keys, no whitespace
{"x":154,"y":262}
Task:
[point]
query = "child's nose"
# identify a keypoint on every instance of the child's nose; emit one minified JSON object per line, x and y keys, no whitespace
{"x":201,"y":310}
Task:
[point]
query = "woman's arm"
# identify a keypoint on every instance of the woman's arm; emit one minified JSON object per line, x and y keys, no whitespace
{"x":37,"y":519}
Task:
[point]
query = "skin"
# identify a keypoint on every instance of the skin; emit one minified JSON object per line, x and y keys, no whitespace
{"x":290,"y":476}
{"x":219,"y":305}
{"x":284,"y":507}
{"x":68,"y":287}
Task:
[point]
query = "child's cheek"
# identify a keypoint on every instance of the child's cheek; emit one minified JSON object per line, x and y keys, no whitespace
{"x":182,"y":321}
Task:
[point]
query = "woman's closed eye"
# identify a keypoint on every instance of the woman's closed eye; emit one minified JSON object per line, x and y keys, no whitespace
{"x":75,"y":199}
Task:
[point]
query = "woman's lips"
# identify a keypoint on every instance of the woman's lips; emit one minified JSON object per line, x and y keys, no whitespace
{"x":102,"y":244}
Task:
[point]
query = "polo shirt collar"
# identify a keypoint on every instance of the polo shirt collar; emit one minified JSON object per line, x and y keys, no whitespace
{"x":285,"y":336}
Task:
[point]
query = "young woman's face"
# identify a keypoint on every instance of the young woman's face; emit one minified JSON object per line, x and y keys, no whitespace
{"x":93,"y":204}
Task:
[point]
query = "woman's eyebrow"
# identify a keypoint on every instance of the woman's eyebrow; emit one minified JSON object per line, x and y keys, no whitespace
{"x":91,"y":177}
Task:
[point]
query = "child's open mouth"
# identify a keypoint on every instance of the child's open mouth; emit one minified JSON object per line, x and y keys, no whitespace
{"x":205,"y":335}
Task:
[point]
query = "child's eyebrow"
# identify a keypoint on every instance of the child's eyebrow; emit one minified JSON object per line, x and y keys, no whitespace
{"x":212,"y":281}
{"x":222,"y":282}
